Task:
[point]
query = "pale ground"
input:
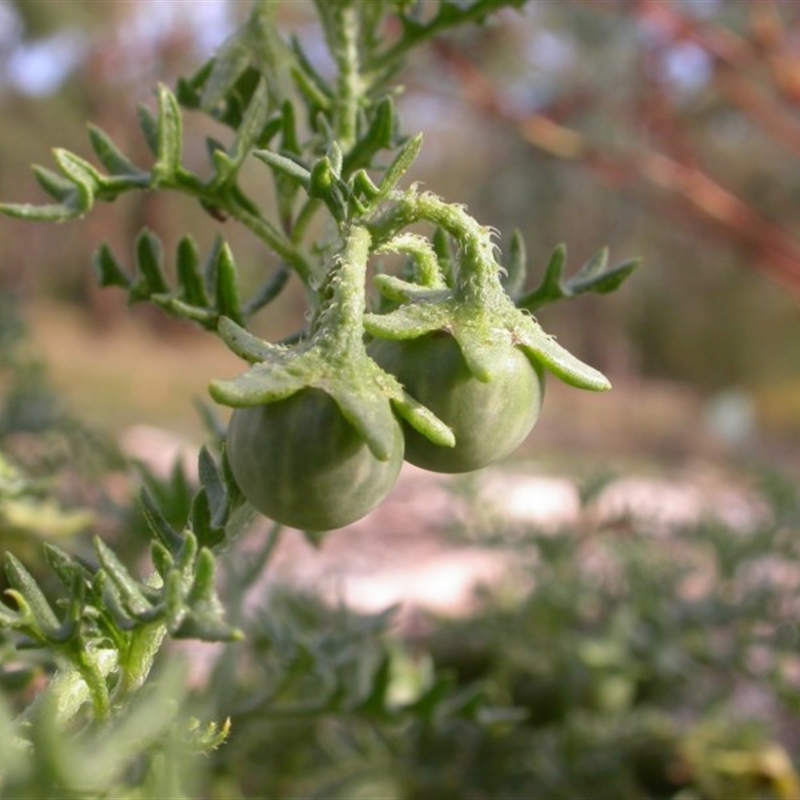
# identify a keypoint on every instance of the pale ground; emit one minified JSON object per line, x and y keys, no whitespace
{"x":402,"y":552}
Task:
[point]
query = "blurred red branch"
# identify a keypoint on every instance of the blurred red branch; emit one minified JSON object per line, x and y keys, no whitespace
{"x":676,"y":176}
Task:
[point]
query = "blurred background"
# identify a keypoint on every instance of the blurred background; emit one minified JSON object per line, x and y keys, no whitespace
{"x":653,"y":642}
{"x":665,"y":130}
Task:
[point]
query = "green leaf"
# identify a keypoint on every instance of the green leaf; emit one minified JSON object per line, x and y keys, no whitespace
{"x":174,"y":606}
{"x":285,"y":166}
{"x":401,"y":164}
{"x":444,"y":254}
{"x":110,"y":156}
{"x":212,"y":481}
{"x":315,"y":89}
{"x":248,"y":136}
{"x":108,"y":270}
{"x":158,"y":524}
{"x":170,"y":138}
{"x":150,"y":263}
{"x":269,"y":291}
{"x":379,"y":136}
{"x":227,"y":289}
{"x":550,"y":289}
{"x":516,"y":269}
{"x":326,"y":186}
{"x":133,"y":600}
{"x":149,"y":126}
{"x":25,"y":584}
{"x":191,"y":285}
{"x":57,"y":186}
{"x":188,"y":90}
{"x":208,"y":534}
{"x":289,"y":140}
{"x":608,"y":281}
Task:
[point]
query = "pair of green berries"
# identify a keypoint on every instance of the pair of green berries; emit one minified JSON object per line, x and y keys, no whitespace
{"x":301,"y":462}
{"x":451,"y":379}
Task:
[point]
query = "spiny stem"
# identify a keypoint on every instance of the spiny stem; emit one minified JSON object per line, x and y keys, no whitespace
{"x":342,"y":311}
{"x":350,"y":86}
{"x":95,"y":681}
{"x":478,"y":271}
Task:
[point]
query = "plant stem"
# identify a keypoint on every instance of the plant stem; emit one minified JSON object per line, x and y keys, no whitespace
{"x":341,"y":21}
{"x":341,"y":316}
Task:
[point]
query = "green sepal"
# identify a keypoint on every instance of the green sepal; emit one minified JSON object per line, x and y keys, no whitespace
{"x":169,"y":151}
{"x":108,"y":270}
{"x":399,"y":291}
{"x":370,"y":414}
{"x":263,"y":383}
{"x":244,"y":344}
{"x":545,"y":350}
{"x":409,"y":321}
{"x":423,"y":420}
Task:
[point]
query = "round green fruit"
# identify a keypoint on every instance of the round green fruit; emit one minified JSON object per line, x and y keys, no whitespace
{"x":489,"y":419}
{"x":301,"y":463}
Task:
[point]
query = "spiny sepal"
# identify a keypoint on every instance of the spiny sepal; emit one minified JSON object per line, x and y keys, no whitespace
{"x":477,"y":312}
{"x":364,"y":393}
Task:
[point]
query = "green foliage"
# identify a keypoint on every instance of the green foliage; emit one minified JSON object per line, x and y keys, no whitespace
{"x":113,"y":720}
{"x":638,"y":664}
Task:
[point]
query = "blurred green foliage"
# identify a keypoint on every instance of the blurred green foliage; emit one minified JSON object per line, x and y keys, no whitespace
{"x":583,"y":63}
